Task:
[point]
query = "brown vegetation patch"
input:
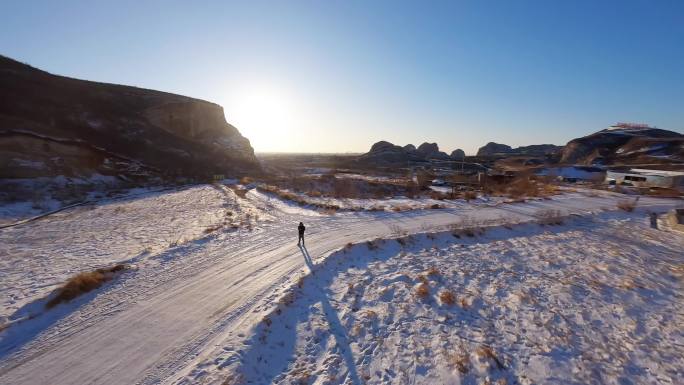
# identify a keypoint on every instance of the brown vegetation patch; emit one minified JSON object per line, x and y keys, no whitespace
{"x":461,"y":362}
{"x":627,"y":205}
{"x":423,"y":291}
{"x":487,"y":352}
{"x":82,"y":283}
{"x":447,"y":297}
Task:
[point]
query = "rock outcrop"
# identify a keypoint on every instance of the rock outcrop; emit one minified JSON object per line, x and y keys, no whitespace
{"x":492,"y":148}
{"x":457,"y":154}
{"x":431,"y":151}
{"x":625,"y":143}
{"x":385,"y":153}
{"x":53,"y":125}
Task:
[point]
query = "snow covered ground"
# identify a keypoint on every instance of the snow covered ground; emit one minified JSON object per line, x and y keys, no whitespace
{"x":207,"y":266}
{"x":597,"y":300}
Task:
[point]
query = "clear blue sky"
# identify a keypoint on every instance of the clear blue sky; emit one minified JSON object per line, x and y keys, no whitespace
{"x":336,"y":76}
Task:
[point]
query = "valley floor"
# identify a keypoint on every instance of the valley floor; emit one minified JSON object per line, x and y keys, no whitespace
{"x":206,"y":267}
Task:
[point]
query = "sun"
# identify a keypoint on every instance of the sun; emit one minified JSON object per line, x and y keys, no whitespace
{"x":265,"y":116}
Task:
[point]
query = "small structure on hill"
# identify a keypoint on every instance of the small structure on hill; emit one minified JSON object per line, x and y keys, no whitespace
{"x":638,"y":177}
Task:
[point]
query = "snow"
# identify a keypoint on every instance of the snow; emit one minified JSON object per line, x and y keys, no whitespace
{"x":198,"y":287}
{"x":594,"y":301}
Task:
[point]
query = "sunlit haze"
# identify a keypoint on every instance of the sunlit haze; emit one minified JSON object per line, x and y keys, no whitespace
{"x":307,"y":76}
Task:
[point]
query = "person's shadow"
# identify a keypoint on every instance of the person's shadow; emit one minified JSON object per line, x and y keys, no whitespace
{"x":307,"y":257}
{"x":336,"y":327}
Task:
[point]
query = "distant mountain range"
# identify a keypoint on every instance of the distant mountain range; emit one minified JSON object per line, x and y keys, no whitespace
{"x":53,"y":125}
{"x":621,"y":144}
{"x":492,"y":148}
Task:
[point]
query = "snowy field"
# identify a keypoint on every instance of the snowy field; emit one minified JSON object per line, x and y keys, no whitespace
{"x":597,"y":300}
{"x":207,"y":265}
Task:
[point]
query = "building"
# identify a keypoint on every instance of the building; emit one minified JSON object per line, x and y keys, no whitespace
{"x":638,"y":177}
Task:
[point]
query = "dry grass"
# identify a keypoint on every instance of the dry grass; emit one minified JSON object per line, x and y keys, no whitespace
{"x":550,"y":217}
{"x":423,"y":291}
{"x":461,"y":362}
{"x":627,"y":205}
{"x":374,"y":244}
{"x":487,"y":352}
{"x":213,"y":228}
{"x":470,"y":195}
{"x":82,"y":283}
{"x":447,"y":297}
{"x":664,"y":192}
{"x":433,"y":272}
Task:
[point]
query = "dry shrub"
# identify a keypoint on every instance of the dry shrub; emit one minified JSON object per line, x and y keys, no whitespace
{"x":433,"y":272}
{"x":211,"y":229}
{"x":246,"y":180}
{"x":373,"y":245}
{"x":371,"y":315}
{"x":487,"y":352}
{"x":423,"y":291}
{"x":411,"y":189}
{"x":627,"y":205}
{"x":447,"y":297}
{"x":436,"y":206}
{"x":550,"y":217}
{"x":82,"y":283}
{"x":377,"y":208}
{"x":439,"y":196}
{"x":664,"y":192}
{"x":287,"y":299}
{"x":549,"y":189}
{"x":469,"y":195}
{"x":241,"y":192}
{"x":461,"y":362}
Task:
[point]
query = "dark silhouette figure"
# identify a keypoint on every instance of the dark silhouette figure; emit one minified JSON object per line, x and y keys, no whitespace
{"x":301,"y":229}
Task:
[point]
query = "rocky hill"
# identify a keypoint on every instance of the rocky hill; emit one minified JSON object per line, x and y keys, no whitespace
{"x":492,"y":149}
{"x":626,"y":143}
{"x":53,"y":125}
{"x":385,"y":153}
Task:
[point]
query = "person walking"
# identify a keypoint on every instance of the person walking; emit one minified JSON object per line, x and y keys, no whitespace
{"x":301,"y":229}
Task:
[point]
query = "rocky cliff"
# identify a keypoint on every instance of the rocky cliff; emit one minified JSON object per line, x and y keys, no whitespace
{"x":53,"y":125}
{"x":626,"y":144}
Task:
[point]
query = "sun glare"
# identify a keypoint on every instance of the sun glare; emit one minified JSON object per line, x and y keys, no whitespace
{"x":265,"y":116}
